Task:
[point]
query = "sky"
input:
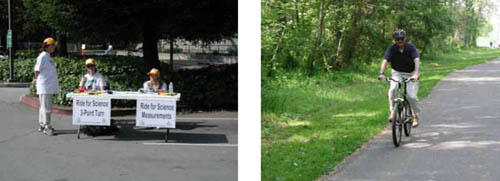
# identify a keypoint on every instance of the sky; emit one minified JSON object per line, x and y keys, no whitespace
{"x":494,"y":19}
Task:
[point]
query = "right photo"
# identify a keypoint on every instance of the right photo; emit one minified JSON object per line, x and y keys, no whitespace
{"x":380,"y":90}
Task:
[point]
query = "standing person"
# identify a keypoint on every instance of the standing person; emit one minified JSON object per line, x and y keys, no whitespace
{"x":109,"y":50}
{"x":154,"y":84}
{"x":93,"y":80}
{"x":405,"y":64}
{"x":47,"y":84}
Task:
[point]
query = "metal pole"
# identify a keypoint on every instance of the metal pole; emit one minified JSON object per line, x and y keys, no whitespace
{"x":11,"y":63}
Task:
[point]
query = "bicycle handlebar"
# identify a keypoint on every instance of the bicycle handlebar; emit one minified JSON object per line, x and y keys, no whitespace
{"x":391,"y":79}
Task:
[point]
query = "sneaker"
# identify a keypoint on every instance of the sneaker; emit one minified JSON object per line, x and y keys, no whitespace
{"x":48,"y":130}
{"x":415,"y":122}
{"x":40,"y":129}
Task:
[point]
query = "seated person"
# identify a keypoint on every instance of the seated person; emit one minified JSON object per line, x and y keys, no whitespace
{"x":93,"y":80}
{"x":153,"y":85}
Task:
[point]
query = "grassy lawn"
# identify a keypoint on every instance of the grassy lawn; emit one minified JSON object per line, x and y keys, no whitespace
{"x":310,"y":124}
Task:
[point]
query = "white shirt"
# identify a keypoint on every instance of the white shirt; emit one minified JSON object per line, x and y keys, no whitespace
{"x":47,"y":81}
{"x":153,"y":87}
{"x":94,"y":82}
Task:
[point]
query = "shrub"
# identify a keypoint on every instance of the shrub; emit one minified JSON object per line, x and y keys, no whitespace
{"x":27,"y":53}
{"x":214,"y":87}
{"x":23,"y":69}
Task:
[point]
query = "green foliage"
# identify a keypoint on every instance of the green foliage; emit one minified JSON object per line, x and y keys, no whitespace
{"x":23,"y":54}
{"x":321,"y":34}
{"x":61,"y":18}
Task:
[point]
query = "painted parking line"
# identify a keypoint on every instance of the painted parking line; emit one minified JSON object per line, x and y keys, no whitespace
{"x":190,"y":144}
{"x":234,"y":119}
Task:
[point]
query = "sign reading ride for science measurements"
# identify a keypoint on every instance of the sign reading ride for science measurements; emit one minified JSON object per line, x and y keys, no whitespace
{"x":91,"y":111}
{"x":156,"y":113}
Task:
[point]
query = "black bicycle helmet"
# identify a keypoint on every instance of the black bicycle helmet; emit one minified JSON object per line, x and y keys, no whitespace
{"x":398,"y":34}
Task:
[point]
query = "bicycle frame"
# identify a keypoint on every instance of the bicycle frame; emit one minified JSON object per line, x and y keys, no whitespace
{"x":401,"y":95}
{"x":401,"y":112}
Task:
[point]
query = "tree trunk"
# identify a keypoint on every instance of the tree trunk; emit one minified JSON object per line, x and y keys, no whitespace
{"x":334,"y":61}
{"x":62,"y":47}
{"x":468,"y":9}
{"x":2,"y":42}
{"x":319,"y":32}
{"x":338,"y":38}
{"x":423,"y":49}
{"x":171,"y":54}
{"x":382,"y":31}
{"x":297,"y":19}
{"x":149,"y":46}
{"x":278,"y":47}
{"x":353,"y":37}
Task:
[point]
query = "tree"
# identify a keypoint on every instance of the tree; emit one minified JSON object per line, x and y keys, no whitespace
{"x":4,"y":26}
{"x":151,"y":20}
{"x":25,"y":25}
{"x":59,"y":17}
{"x":349,"y":33}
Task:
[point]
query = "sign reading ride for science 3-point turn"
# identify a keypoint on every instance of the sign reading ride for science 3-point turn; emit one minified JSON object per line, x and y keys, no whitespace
{"x":156,"y":113}
{"x":91,"y":111}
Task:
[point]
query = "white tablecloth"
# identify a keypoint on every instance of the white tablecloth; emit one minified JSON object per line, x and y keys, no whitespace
{"x":129,"y":95}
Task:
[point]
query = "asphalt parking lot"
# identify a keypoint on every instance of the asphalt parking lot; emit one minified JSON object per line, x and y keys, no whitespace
{"x":203,"y":147}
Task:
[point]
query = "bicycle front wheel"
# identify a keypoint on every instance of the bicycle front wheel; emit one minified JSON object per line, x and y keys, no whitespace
{"x":397,"y":126}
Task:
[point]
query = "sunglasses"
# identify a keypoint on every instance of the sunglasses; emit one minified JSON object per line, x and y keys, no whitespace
{"x":398,"y":39}
{"x":90,"y":66}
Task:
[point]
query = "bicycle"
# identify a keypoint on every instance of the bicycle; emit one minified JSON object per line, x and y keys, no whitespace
{"x":402,"y":119}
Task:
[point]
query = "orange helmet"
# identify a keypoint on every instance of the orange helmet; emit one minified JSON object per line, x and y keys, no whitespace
{"x":154,"y":71}
{"x":90,"y":61}
{"x":49,"y":41}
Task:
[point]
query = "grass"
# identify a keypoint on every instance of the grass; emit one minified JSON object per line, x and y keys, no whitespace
{"x":310,"y":124}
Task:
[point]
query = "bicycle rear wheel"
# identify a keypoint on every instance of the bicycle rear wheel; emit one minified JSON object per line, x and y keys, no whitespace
{"x":407,"y":119}
{"x":397,"y":126}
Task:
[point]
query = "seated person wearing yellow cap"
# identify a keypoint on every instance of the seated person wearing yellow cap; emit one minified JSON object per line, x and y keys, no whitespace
{"x":153,"y":84}
{"x":93,"y":80}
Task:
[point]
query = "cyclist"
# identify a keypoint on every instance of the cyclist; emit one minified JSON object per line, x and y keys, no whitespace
{"x":405,"y":62}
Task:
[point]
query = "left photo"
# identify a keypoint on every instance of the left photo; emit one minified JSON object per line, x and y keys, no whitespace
{"x":129,"y":90}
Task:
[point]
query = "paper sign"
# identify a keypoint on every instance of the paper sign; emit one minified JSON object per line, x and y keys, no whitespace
{"x":91,"y":111}
{"x":156,"y":113}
